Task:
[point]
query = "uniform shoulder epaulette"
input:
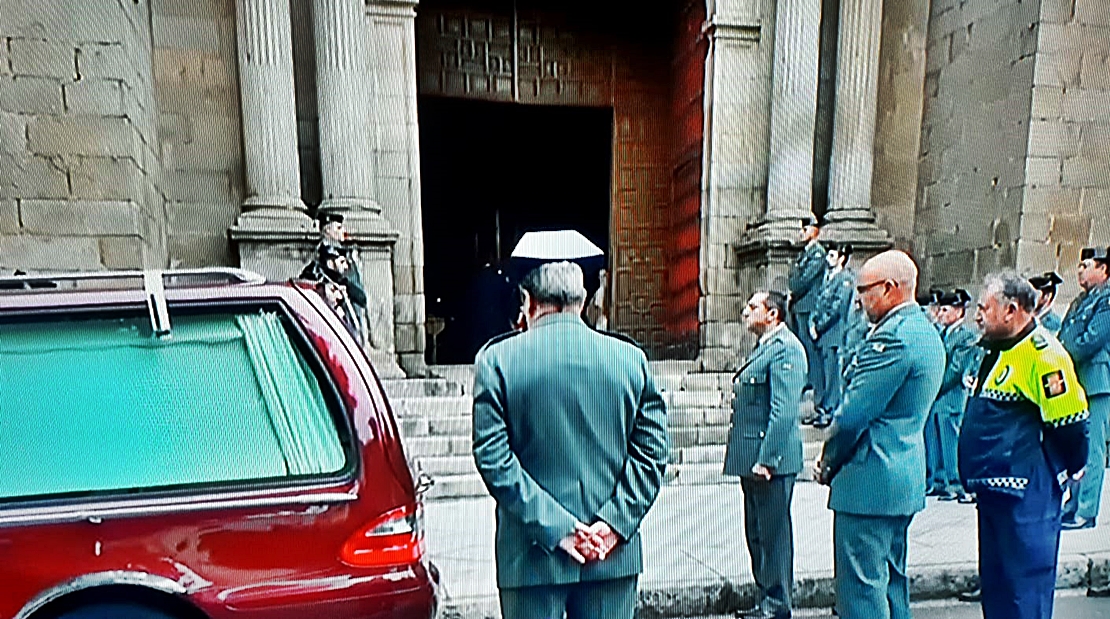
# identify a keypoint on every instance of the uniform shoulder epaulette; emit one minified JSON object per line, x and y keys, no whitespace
{"x":1040,"y":342}
{"x":500,"y":338}
{"x":622,"y":337}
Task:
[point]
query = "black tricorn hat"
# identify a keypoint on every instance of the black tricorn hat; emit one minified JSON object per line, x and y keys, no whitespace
{"x":329,"y":217}
{"x":956,"y":298}
{"x":1102,"y":254}
{"x":810,"y":220}
{"x":1047,"y":282}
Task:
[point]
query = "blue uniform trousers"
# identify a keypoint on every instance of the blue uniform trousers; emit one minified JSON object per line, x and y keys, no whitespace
{"x":949,"y":426}
{"x":600,"y":599}
{"x":1085,"y":503}
{"x":816,"y":376}
{"x":935,"y":475}
{"x":869,"y":557}
{"x":770,"y":536}
{"x":1018,"y":544}
{"x":834,"y":383}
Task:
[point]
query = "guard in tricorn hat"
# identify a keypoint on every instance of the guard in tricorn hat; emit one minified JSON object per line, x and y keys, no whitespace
{"x":828,"y":325}
{"x":1085,"y":333}
{"x":942,"y":429}
{"x":1046,"y":296}
{"x":806,"y":276}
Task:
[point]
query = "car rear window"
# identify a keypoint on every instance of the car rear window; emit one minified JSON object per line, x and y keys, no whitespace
{"x":102,"y":405}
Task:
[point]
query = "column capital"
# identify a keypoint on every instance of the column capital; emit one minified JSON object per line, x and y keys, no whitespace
{"x":392,"y":8}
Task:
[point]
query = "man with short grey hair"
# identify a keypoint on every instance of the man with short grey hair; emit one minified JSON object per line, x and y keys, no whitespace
{"x":570,"y":438}
{"x":1023,"y":436}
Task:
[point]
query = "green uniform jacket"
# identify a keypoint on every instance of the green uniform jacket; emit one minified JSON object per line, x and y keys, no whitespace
{"x":806,"y":277}
{"x":962,"y":358}
{"x":1085,"y":334}
{"x":834,"y":303}
{"x":765,"y":408}
{"x":875,"y":455}
{"x":568,"y":426}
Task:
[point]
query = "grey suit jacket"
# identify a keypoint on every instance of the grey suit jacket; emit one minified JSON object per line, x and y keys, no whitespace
{"x":568,"y":426}
{"x":766,"y":408}
{"x":875,"y":454}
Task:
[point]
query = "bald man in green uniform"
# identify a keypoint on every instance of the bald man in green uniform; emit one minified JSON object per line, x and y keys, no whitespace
{"x":874,"y":459}
{"x":570,"y":438}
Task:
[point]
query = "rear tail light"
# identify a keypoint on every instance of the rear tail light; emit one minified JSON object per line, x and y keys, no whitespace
{"x":396,"y":538}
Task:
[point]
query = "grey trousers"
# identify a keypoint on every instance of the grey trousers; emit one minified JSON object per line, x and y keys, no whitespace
{"x":869,"y":558}
{"x":770,"y":535}
{"x":599,"y":599}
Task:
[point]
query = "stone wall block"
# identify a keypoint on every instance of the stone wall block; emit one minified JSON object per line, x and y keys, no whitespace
{"x":107,"y":178}
{"x":1057,"y":11}
{"x":1094,"y":139}
{"x":31,"y":95}
{"x":1092,"y":12}
{"x":1042,"y":171}
{"x":198,"y":186}
{"x":43,"y":58}
{"x":1035,"y":255}
{"x":1094,"y":72}
{"x":185,"y":218}
{"x":1058,"y":69}
{"x":194,"y":250}
{"x":96,"y":97}
{"x":23,"y":176}
{"x":77,"y":218}
{"x":83,"y":135}
{"x":50,"y":253}
{"x":1053,"y":139}
{"x":121,"y":253}
{"x":1087,"y":106}
{"x":9,"y":217}
{"x":1085,"y":171}
{"x":1070,"y":227}
{"x":1047,"y":102}
{"x":13,"y":133}
{"x":186,"y":32}
{"x":106,"y":61}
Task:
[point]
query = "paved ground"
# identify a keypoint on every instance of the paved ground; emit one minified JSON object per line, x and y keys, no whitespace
{"x":695,"y":555}
{"x":1069,"y":605}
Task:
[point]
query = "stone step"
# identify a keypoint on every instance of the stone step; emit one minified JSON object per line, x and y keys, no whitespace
{"x":423,"y":446}
{"x":438,"y":466}
{"x":438,"y":407}
{"x":420,"y":387}
{"x":707,"y":381}
{"x":692,"y":399}
{"x":456,"y":487}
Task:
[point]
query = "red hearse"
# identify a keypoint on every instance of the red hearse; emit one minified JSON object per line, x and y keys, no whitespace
{"x":195,"y":445}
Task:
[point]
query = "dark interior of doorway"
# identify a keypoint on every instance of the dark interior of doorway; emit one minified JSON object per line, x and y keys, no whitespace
{"x":489,"y":173}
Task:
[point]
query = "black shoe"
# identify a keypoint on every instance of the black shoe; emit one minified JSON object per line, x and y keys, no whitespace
{"x":759,"y":613}
{"x":822,"y":422}
{"x":1077,"y":524}
{"x":949,"y":495}
{"x":967,"y":498}
{"x":936,"y":491}
{"x":974,"y":595}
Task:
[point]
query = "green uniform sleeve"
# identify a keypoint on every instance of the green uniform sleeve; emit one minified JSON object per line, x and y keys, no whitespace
{"x":648,"y":448}
{"x":545,"y":519}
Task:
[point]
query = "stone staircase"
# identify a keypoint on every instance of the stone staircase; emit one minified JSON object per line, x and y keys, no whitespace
{"x":434,"y":415}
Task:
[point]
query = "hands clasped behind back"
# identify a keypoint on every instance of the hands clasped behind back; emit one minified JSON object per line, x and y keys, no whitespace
{"x":590,"y":542}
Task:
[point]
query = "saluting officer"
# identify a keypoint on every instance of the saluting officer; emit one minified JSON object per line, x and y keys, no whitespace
{"x":806,"y":277}
{"x":942,"y":432}
{"x":1046,"y":295}
{"x":828,"y":325}
{"x":1085,"y":334}
{"x":765,"y":449}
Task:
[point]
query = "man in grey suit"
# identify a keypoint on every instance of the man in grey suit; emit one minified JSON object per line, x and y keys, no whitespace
{"x":765,"y":449}
{"x":570,"y":437}
{"x":874,"y":458}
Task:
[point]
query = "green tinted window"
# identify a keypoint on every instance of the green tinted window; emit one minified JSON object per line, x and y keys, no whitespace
{"x":102,"y":405}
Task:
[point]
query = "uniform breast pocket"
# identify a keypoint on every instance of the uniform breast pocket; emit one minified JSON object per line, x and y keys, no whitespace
{"x":752,"y":390}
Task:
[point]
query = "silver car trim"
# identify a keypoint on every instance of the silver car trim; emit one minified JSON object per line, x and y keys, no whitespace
{"x":100,"y":579}
{"x":125,"y":509}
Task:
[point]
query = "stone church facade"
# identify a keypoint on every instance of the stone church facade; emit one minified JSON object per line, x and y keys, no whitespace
{"x":687,"y":137}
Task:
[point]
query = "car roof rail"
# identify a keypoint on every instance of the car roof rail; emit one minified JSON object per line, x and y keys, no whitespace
{"x":153,"y":281}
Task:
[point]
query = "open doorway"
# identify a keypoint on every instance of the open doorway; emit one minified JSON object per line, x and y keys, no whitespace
{"x":489,"y":173}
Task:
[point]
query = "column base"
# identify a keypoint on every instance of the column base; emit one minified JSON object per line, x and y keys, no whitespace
{"x":292,"y":203}
{"x":353,"y":205}
{"x":856,"y":226}
{"x":278,"y":243}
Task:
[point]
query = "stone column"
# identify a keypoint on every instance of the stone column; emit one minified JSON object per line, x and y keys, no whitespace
{"x":273,"y":232}
{"x":344,"y":98}
{"x":850,"y":217}
{"x":269,"y":112}
{"x":793,"y":116}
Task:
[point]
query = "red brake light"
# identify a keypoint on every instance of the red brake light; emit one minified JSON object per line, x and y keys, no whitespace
{"x":396,"y":538}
